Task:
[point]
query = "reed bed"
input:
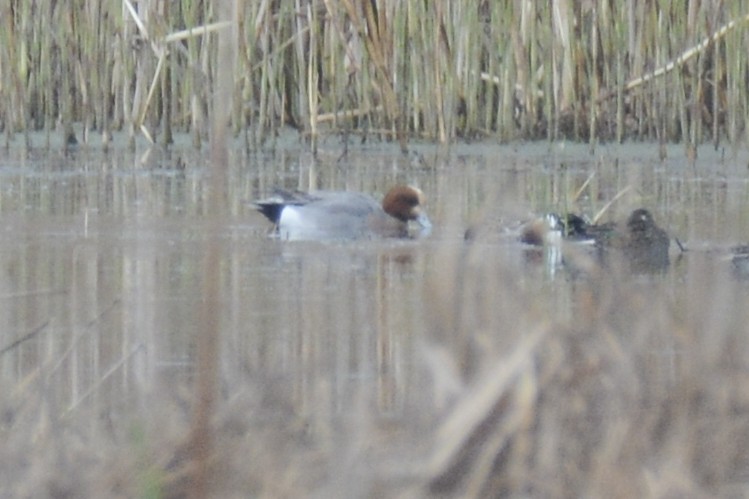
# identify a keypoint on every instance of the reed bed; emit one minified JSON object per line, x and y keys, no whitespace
{"x":589,"y":71}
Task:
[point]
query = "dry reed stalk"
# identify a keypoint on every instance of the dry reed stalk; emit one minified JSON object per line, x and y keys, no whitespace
{"x":563,"y":60}
{"x":349,"y":113}
{"x":313,"y":81}
{"x":165,"y":84}
{"x":687,"y":54}
{"x":608,"y":205}
{"x":31,"y":334}
{"x":13,"y":43}
{"x":582,"y":188}
{"x":207,"y":342}
{"x":717,"y":76}
{"x":348,"y":59}
{"x":443,"y":77}
{"x":593,"y":78}
{"x":376,"y":35}
{"x":86,"y":329}
{"x":161,"y":51}
{"x":480,"y":403}
{"x":140,"y":347}
{"x":188,"y":33}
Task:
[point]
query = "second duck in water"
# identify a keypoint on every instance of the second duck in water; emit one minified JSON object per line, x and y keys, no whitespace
{"x":644,"y":244}
{"x":552,"y":228}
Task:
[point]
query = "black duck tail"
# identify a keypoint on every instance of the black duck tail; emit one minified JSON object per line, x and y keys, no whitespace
{"x":270,"y":209}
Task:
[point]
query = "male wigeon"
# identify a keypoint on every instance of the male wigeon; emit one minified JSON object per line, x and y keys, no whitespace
{"x":643,"y":243}
{"x":344,"y":215}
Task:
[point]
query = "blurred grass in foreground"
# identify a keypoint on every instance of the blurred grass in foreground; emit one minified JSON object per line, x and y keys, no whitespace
{"x":640,"y":390}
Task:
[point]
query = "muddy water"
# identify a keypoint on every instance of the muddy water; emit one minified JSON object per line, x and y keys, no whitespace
{"x":102,"y":256}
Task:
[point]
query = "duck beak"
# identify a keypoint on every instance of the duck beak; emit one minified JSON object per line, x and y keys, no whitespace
{"x":423,"y":221}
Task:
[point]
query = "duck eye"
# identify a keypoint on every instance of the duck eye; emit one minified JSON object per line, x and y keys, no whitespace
{"x":411,"y":201}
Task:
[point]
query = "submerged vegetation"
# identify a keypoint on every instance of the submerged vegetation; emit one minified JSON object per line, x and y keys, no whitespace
{"x":661,"y":70}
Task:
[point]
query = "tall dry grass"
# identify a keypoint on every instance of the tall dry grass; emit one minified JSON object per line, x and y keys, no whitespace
{"x":395,"y":70}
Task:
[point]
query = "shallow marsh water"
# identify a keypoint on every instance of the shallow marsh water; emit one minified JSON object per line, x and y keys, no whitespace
{"x":102,"y":256}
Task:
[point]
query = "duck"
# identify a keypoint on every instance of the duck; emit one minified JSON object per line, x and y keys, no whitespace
{"x":558,"y":241}
{"x":643,"y":243}
{"x":740,"y":261}
{"x":345,"y":215}
{"x":553,"y":228}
